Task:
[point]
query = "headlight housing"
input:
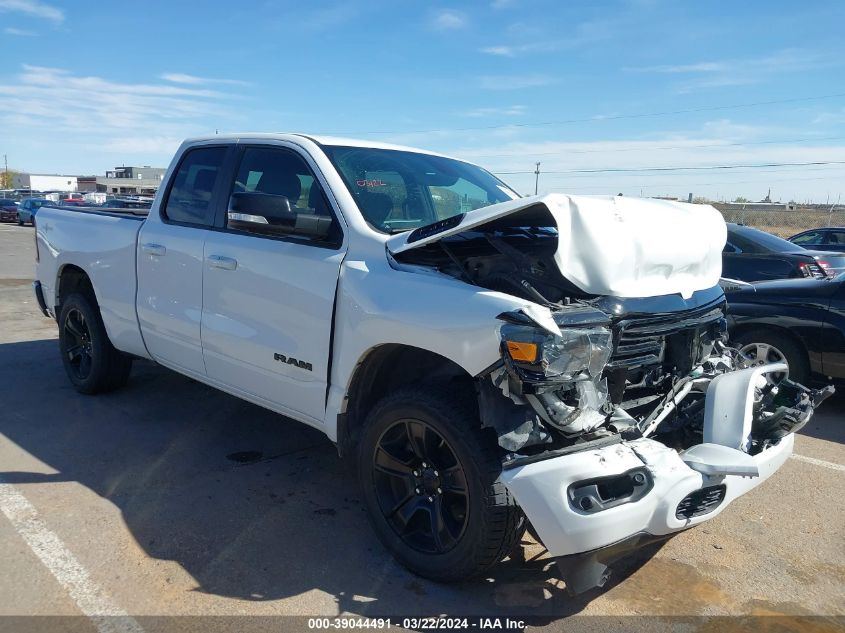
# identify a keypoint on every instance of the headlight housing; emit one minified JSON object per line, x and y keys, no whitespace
{"x":581,"y":352}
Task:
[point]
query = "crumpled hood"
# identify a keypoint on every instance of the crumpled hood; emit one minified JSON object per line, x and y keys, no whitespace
{"x":612,"y":245}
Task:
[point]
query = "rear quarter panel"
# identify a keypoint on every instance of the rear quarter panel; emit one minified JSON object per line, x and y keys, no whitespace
{"x":104,"y":247}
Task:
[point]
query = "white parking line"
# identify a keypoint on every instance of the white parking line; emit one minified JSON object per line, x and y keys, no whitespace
{"x":91,"y":599}
{"x":818,"y":462}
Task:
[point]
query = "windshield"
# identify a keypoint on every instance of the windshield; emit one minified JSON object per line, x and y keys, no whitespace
{"x":398,"y":191}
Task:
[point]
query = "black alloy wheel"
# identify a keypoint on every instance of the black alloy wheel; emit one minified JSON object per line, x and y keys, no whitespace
{"x":421,"y":487}
{"x":79,"y":348}
{"x":92,"y":363}
{"x":431,"y":482}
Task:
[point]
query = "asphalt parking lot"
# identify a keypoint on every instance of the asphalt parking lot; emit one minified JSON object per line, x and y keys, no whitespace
{"x":170,"y":498}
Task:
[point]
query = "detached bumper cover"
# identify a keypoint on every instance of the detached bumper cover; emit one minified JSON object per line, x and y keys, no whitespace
{"x":603,"y":501}
{"x":542,"y":489}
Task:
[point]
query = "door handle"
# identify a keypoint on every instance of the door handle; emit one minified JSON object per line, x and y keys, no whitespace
{"x":154,"y":249}
{"x":226,"y":263}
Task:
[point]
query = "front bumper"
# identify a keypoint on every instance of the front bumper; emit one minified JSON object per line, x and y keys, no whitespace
{"x":542,"y":489}
{"x":641,"y":489}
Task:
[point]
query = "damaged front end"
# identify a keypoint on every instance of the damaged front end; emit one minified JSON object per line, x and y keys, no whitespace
{"x":620,"y":426}
{"x":622,"y":412}
{"x":584,"y":375}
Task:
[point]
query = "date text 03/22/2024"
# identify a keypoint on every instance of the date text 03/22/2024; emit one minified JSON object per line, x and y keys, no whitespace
{"x":426,"y":623}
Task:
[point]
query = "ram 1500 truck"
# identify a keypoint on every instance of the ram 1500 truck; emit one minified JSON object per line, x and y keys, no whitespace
{"x":492,"y":361}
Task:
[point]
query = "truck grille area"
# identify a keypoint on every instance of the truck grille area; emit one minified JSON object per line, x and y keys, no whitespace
{"x":700,"y":502}
{"x":642,"y":341}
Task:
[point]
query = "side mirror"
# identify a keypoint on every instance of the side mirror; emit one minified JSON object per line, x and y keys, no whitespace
{"x":269,"y":214}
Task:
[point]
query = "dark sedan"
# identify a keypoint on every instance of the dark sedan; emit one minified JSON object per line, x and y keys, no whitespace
{"x":799,"y":321}
{"x":8,"y":210}
{"x":754,"y":255}
{"x":830,"y":238}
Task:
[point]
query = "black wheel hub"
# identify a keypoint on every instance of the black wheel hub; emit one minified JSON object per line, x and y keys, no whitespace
{"x":78,"y":345}
{"x":420,"y":486}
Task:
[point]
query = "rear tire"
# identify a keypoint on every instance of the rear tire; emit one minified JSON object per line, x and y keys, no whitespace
{"x":91,"y":361}
{"x":430,"y":478}
{"x":778,"y":345}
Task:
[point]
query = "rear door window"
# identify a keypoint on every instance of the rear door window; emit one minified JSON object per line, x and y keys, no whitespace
{"x":813,"y":237}
{"x":190,"y":198}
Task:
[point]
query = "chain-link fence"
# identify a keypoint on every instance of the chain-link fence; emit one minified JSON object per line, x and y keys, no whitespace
{"x":786,"y":222}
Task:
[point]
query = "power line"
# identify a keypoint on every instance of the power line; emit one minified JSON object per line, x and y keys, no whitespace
{"x":668,"y":185}
{"x":699,"y":168}
{"x":669,"y":147}
{"x":596,"y":119}
{"x":767,"y":170}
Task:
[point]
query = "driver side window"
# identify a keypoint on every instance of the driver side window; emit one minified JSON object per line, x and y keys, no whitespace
{"x":275,"y":194}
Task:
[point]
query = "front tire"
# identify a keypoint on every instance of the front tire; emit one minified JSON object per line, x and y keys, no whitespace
{"x":20,"y":222}
{"x":431,"y":486}
{"x":91,"y":361}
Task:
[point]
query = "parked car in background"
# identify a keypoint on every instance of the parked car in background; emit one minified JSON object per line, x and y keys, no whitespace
{"x":799,"y":321}
{"x":123,"y":203}
{"x":754,"y":255}
{"x":8,"y":210}
{"x":27,"y":209}
{"x":823,"y":239}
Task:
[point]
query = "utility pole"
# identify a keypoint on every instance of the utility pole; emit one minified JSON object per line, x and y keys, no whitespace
{"x":536,"y":178}
{"x":830,"y":211}
{"x":6,"y":174}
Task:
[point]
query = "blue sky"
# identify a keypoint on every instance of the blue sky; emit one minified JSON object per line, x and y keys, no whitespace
{"x":600,"y":85}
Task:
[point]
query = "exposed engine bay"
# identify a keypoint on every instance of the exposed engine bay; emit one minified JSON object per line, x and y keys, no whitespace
{"x":594,"y":367}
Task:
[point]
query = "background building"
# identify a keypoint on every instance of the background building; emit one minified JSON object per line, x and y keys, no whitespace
{"x":44,"y":182}
{"x":131,"y":180}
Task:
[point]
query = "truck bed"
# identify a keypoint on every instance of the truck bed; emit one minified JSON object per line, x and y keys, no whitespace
{"x":103,"y":242}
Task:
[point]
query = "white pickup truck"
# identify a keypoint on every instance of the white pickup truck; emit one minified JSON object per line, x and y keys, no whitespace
{"x":492,"y":361}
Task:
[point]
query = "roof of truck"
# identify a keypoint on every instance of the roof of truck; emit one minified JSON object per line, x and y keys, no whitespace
{"x":320,"y":139}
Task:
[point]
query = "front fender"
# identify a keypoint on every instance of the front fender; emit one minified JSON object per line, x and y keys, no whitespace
{"x":378,"y":305}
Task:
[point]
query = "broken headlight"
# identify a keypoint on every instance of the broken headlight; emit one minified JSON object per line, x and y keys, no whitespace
{"x":580,"y":352}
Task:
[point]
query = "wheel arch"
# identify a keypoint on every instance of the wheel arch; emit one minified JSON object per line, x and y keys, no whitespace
{"x":70,"y":279}
{"x":385,"y":368}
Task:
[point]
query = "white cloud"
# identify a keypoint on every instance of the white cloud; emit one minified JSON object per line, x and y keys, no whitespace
{"x":501,"y":4}
{"x":193,"y":80}
{"x":86,"y":116}
{"x":533,"y":39}
{"x":448,"y":20}
{"x":700,"y":67}
{"x":740,"y":72}
{"x":515,"y":82}
{"x":33,"y":8}
{"x":10,"y":30}
{"x":514,"y":110}
{"x":719,"y":142}
{"x":502,"y":51}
